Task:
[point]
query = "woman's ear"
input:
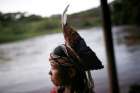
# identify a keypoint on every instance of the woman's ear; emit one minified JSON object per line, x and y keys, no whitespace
{"x":72,"y":72}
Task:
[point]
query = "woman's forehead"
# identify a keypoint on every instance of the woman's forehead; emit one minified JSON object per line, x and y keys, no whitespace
{"x":58,"y":58}
{"x":58,"y":61}
{"x":54,"y":64}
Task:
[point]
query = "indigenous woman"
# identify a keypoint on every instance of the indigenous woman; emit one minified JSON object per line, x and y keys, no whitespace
{"x":72,"y":62}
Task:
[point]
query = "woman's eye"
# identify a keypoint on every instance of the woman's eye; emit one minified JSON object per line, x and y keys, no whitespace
{"x":50,"y":72}
{"x":53,"y":67}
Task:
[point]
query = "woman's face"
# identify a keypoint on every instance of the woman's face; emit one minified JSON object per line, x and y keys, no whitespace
{"x":55,"y":75}
{"x":60,"y":77}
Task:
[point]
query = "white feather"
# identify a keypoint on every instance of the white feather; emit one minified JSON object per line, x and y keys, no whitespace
{"x":64,"y":16}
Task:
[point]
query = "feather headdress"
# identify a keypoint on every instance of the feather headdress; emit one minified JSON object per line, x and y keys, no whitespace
{"x":77,"y":48}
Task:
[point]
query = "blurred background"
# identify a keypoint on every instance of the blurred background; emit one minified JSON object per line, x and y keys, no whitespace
{"x":30,"y":29}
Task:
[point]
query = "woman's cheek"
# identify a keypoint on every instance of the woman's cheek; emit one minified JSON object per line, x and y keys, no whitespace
{"x":56,"y":77}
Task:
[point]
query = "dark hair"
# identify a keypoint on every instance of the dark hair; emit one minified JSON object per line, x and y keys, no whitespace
{"x":79,"y":83}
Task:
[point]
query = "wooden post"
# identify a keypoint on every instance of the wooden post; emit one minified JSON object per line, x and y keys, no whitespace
{"x":113,"y":80}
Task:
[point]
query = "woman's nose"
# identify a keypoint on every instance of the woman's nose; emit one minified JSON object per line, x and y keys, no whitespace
{"x":50,"y":73}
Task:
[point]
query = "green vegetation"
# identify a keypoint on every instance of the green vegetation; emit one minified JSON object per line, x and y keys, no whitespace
{"x":86,"y":19}
{"x":17,"y":26}
{"x":126,"y":12}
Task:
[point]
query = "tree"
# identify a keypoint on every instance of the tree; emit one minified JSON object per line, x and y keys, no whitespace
{"x":126,"y":12}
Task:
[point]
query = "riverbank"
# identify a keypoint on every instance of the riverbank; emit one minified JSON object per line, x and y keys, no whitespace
{"x":24,"y":65}
{"x":18,"y":26}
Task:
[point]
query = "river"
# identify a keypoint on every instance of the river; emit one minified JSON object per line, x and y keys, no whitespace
{"x":24,"y":64}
